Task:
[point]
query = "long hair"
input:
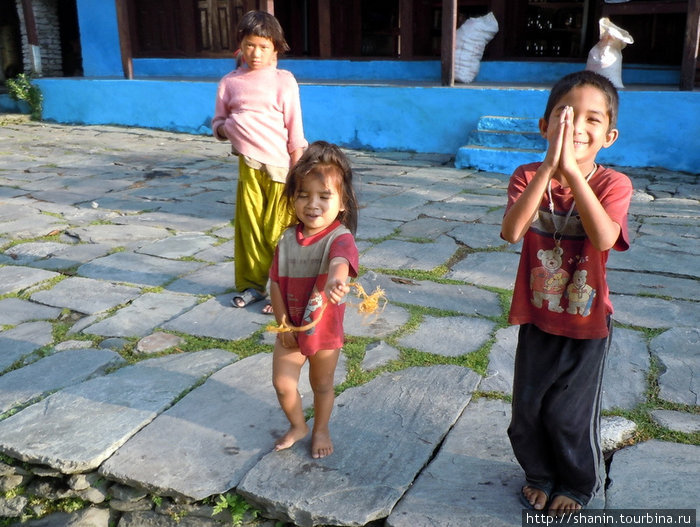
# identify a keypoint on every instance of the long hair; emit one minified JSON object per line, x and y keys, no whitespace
{"x":262,"y":24}
{"x":322,"y":158}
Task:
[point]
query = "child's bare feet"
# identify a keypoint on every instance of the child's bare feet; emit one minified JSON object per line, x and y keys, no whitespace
{"x":321,"y":444}
{"x":293,"y":435}
{"x":563,"y":505}
{"x":536,"y":497}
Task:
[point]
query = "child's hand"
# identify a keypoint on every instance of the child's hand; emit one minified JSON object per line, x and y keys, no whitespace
{"x":335,"y":290}
{"x":554,"y":149}
{"x":288,"y":340}
{"x":567,"y":159}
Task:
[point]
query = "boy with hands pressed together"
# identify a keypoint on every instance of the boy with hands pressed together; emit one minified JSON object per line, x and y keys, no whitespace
{"x":569,"y":212}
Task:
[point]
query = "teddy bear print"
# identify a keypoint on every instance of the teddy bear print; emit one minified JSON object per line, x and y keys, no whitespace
{"x":580,"y":294}
{"x":548,"y":282}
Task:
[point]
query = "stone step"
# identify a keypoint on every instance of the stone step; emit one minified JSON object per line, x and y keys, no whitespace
{"x":490,"y":159}
{"x":74,"y":430}
{"x":384,"y":433}
{"x":514,"y":124}
{"x":508,"y":139}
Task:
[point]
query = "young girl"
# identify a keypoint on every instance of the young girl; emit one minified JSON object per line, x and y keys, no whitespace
{"x":258,"y":110}
{"x":308,"y":276}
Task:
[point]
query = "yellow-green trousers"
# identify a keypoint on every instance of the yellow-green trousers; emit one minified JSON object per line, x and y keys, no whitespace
{"x":261,"y":216}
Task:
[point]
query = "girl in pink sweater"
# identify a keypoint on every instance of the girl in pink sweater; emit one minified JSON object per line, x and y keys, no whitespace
{"x":259,"y":111}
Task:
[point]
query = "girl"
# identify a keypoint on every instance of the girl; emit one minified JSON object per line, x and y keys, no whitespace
{"x":308,"y":276}
{"x":258,"y":110}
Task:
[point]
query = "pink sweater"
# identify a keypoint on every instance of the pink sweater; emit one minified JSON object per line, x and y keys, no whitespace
{"x":261,"y":114}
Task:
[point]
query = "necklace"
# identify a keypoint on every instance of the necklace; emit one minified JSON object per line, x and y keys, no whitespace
{"x":558,"y":232}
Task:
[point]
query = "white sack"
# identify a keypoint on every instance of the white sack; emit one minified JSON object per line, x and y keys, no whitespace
{"x":472,"y":37}
{"x":606,"y":56}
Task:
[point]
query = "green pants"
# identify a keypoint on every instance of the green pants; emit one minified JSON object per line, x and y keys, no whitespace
{"x":261,"y":216}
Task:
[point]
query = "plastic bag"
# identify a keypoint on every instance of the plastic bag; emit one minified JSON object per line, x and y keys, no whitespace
{"x":472,"y":37}
{"x":606,"y":56}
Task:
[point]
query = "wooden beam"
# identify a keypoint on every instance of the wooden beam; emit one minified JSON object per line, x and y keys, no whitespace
{"x":125,"y":38}
{"x":690,"y":46}
{"x":267,"y":5}
{"x":406,"y":29}
{"x":324,"y":28}
{"x":449,"y":36}
{"x":32,"y":36}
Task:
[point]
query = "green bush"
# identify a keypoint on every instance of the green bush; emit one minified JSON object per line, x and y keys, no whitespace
{"x":22,"y":89}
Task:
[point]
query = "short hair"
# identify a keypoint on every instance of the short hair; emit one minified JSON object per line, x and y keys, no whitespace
{"x":585,"y":78}
{"x":262,"y":24}
{"x":320,"y":159}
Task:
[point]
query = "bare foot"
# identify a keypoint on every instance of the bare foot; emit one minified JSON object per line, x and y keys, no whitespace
{"x":536,"y":497}
{"x":293,"y":435}
{"x":321,"y":444}
{"x":563,"y":505}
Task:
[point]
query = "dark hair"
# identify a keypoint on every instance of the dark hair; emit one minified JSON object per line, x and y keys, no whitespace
{"x":319,"y":159}
{"x":585,"y":78}
{"x":262,"y":24}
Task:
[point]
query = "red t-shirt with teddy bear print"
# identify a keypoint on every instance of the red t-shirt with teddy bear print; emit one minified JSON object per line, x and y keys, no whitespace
{"x":562,"y":287}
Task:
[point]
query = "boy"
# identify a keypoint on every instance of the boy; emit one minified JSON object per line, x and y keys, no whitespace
{"x":570,"y":213}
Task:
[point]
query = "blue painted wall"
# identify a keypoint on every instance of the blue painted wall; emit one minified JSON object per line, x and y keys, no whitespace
{"x":378,"y":105}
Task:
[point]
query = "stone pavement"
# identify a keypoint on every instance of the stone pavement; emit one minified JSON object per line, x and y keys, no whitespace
{"x":127,"y":380}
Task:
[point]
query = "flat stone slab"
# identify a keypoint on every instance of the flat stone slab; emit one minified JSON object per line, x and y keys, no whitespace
{"x":143,"y":315}
{"x":465,"y":299}
{"x":473,"y":481}
{"x":209,"y":280}
{"x":77,"y":428}
{"x":22,"y":340}
{"x":209,"y":451}
{"x":649,"y":312}
{"x":637,"y":258}
{"x":135,"y":268}
{"x":377,"y":325}
{"x":449,"y":336}
{"x":634,"y":283}
{"x":678,"y":349}
{"x":499,"y":375}
{"x":495,"y":269}
{"x":479,"y":235}
{"x":615,"y":431}
{"x":626,"y":370}
{"x":384,"y":432}
{"x":216,"y":318}
{"x":57,"y":256}
{"x":86,"y":295}
{"x":116,"y":235}
{"x":654,"y":474}
{"x":51,"y":373}
{"x":14,"y":311}
{"x":378,"y":354}
{"x":677,"y":421}
{"x":178,"y":246}
{"x":396,"y":254}
{"x":16,"y":278}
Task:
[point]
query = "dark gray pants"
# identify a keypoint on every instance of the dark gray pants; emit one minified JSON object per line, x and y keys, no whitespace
{"x":555,"y":424}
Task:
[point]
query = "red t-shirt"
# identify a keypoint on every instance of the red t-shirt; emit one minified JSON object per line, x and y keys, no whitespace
{"x":563,"y":289}
{"x":300,"y":268}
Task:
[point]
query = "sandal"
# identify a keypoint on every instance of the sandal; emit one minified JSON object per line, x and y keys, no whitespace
{"x":267,"y":310}
{"x":247,"y":297}
{"x":526,"y":503}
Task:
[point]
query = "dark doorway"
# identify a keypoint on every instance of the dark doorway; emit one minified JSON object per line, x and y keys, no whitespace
{"x":10,"y":40}
{"x":71,"y":54}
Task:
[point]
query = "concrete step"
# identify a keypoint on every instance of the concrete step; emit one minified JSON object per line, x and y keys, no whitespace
{"x":508,"y":139}
{"x":490,"y":159}
{"x":513,"y":124}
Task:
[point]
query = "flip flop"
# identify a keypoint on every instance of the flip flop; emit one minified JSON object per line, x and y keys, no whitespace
{"x":247,"y":297}
{"x":526,"y":503}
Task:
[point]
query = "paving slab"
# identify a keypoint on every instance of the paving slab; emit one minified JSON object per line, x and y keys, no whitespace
{"x":636,"y":283}
{"x":647,"y":312}
{"x":86,"y":295}
{"x":396,"y":254}
{"x":678,"y":349}
{"x":134,"y":268}
{"x":494,"y":269}
{"x":655,"y":474}
{"x":22,"y":340}
{"x":208,"y":280}
{"x":466,"y":299}
{"x":457,"y":335}
{"x":143,"y":315}
{"x":470,"y":483}
{"x":677,"y":421}
{"x":479,"y":235}
{"x":209,"y":451}
{"x":74,"y":430}
{"x":18,"y":278}
{"x":51,"y":373}
{"x":403,"y":416}
{"x":499,"y":374}
{"x":626,"y":370}
{"x":636,"y":258}
{"x":14,"y":311}
{"x":178,"y":246}
{"x":117,"y":235}
{"x":378,"y":354}
{"x":216,"y":318}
